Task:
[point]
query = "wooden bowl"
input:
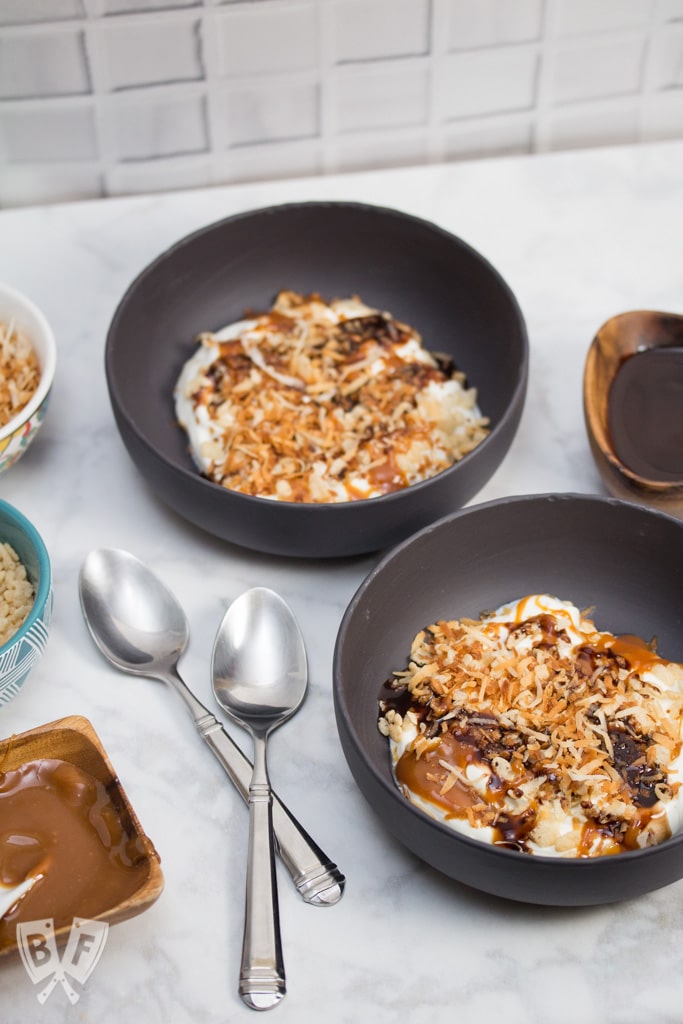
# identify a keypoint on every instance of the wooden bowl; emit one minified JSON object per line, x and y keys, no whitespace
{"x":74,"y":740}
{"x":633,"y":407}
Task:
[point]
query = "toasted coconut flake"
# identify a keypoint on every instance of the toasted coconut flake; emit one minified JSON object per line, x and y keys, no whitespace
{"x":347,"y":392}
{"x":555,"y":711}
{"x":19,"y":372}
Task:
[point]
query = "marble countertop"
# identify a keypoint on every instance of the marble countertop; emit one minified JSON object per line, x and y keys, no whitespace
{"x":579,"y":237}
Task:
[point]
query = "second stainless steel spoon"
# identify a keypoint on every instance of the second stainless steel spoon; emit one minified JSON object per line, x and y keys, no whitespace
{"x":141,"y":629}
{"x":259,"y":674}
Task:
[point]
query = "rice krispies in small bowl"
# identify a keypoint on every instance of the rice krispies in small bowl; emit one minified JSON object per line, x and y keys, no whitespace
{"x":22,"y":650}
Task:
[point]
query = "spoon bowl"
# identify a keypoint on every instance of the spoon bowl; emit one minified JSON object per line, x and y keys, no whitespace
{"x":259,"y":660}
{"x":259,"y":674}
{"x":133,"y":618}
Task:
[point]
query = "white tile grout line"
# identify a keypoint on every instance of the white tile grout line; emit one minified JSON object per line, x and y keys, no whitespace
{"x":98,"y":85}
{"x":541,"y":137}
{"x":438,"y":35}
{"x":327,"y":88}
{"x":647,"y":85}
{"x":215,"y":112}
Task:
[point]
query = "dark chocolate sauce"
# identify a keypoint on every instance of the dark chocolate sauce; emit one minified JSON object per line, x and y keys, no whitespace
{"x":645,"y":413}
{"x":551,"y":632}
{"x":512,"y":830}
{"x":630,"y":760}
{"x":395,"y":698}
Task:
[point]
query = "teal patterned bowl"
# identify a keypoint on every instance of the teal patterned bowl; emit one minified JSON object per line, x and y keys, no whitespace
{"x":23,"y":650}
{"x":17,"y":435}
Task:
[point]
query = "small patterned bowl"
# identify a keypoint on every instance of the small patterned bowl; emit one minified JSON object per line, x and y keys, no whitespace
{"x":23,"y":650}
{"x":16,"y":436}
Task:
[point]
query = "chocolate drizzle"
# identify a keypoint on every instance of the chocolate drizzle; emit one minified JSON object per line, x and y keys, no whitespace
{"x":645,"y":413}
{"x":543,"y":739}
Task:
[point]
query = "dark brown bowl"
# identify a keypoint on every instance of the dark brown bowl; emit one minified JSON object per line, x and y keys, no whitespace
{"x":625,"y":560}
{"x":420,"y":273}
{"x":636,"y":432}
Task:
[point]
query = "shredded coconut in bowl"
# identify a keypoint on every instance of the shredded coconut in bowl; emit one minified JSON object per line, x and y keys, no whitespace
{"x":323,"y":402}
{"x":19,"y":372}
{"x":532,"y":729}
{"x":16,"y":593}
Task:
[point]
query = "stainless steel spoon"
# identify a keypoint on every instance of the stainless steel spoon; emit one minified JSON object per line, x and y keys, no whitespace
{"x":259,"y":678}
{"x":140,"y":628}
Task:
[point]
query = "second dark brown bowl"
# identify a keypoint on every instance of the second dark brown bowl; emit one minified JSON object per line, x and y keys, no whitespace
{"x":624,"y":561}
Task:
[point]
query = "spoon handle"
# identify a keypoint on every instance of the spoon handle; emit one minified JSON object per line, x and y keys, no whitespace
{"x":262,"y":974}
{"x":318,"y":879}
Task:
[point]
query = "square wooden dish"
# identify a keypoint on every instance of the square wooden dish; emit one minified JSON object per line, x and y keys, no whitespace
{"x":75,"y":741}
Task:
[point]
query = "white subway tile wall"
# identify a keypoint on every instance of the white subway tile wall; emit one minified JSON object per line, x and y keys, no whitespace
{"x":268,"y":37}
{"x":571,"y":130}
{"x":149,"y":50}
{"x":582,"y":17}
{"x":482,"y":23}
{"x":489,"y":136}
{"x":51,"y":62}
{"x":37,"y":136}
{"x":128,"y":6}
{"x":598,"y":67}
{"x":385,"y":149}
{"x":668,"y":59}
{"x":488,"y":81}
{"x":381,"y":96}
{"x":107,"y":97}
{"x":278,"y":160}
{"x":144,"y":128}
{"x":364,"y":30}
{"x":258,"y":112}
{"x":18,"y":11}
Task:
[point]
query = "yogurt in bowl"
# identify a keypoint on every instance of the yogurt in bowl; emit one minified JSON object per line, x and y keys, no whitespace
{"x":530,"y":728}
